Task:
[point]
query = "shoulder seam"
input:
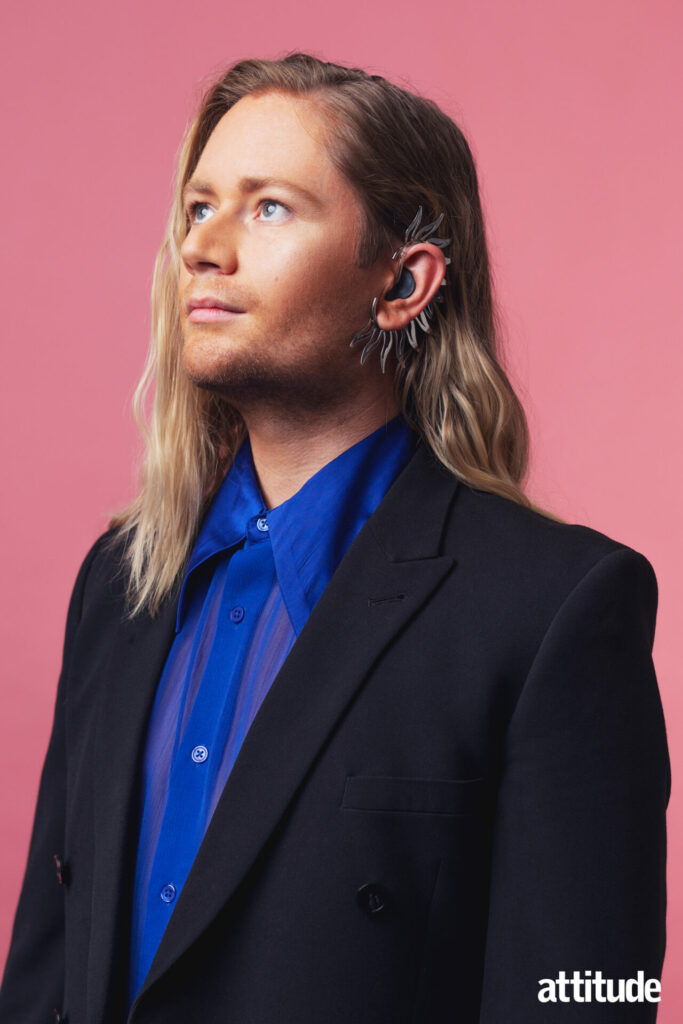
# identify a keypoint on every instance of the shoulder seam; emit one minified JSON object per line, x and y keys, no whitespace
{"x":567,"y":598}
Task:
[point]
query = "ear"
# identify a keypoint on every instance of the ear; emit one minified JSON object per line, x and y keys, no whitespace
{"x":427,"y":264}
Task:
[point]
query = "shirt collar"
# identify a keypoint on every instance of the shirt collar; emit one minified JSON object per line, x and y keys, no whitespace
{"x":309,"y":532}
{"x":237,"y":500}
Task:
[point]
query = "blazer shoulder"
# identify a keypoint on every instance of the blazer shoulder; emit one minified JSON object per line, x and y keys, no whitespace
{"x":523,"y":546}
{"x":102,"y":567}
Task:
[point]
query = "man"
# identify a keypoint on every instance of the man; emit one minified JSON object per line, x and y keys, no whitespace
{"x":347,"y":730}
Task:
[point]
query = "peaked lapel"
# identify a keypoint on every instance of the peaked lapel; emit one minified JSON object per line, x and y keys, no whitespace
{"x":395,"y":553}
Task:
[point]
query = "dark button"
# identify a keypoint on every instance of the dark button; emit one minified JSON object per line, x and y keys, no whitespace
{"x":237,"y":613}
{"x":63,"y":872}
{"x":168,"y":893}
{"x":60,"y":1018}
{"x":371,"y":898}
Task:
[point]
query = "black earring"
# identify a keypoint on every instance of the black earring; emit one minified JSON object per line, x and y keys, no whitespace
{"x":402,"y":288}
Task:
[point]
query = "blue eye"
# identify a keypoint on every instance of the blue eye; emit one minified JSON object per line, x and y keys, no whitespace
{"x":192,"y":210}
{"x":269,"y":208}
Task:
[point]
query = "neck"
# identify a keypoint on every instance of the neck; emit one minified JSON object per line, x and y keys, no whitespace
{"x":289,"y":451}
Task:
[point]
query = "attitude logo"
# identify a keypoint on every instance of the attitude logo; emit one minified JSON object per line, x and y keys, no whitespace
{"x":593,"y":988}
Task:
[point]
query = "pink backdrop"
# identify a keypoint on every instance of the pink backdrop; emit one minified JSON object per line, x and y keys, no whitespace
{"x":573,"y":114}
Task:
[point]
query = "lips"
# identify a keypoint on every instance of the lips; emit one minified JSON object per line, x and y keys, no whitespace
{"x":210,"y":309}
{"x":211,"y":302}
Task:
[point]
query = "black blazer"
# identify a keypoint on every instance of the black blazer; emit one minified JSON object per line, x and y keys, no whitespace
{"x":455,"y":787}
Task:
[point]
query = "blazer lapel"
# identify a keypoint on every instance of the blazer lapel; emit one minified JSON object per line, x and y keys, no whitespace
{"x":390,"y":570}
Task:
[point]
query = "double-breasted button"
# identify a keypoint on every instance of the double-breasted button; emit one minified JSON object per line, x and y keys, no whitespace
{"x":62,"y":868}
{"x":371,"y":898}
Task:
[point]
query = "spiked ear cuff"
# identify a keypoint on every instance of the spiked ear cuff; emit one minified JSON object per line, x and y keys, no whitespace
{"x":404,"y":285}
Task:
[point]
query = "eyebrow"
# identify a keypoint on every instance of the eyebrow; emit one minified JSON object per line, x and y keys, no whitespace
{"x":248,"y":185}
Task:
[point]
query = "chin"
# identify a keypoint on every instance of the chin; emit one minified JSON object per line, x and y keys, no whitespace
{"x":206,"y":355}
{"x":229,"y":369}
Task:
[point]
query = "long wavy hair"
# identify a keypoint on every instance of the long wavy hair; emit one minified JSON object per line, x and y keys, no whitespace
{"x":398,"y":151}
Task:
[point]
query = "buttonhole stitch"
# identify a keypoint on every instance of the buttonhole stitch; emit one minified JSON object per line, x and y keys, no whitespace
{"x":384,"y":600}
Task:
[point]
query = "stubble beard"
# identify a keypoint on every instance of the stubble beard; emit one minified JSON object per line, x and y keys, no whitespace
{"x":247,"y":378}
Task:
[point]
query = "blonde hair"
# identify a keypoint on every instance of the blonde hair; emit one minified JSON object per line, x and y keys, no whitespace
{"x":399,"y":151}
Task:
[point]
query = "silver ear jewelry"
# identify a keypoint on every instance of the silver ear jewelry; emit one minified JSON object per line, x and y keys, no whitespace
{"x":404,"y":285}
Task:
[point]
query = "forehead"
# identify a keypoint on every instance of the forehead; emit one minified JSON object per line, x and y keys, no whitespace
{"x":271,"y":135}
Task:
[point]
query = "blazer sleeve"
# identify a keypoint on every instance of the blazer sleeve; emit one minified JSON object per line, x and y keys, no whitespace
{"x":33,"y":979}
{"x":578,"y":877}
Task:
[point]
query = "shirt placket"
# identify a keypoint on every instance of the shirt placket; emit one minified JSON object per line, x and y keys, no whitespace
{"x":199,"y":749}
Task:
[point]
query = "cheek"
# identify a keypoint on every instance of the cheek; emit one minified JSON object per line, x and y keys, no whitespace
{"x":183,"y":281}
{"x":309,"y":285}
{"x":284,"y":290}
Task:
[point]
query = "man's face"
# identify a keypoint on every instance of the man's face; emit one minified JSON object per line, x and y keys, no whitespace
{"x":274,"y":229}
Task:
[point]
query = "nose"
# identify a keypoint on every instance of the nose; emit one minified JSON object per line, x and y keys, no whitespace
{"x":210,"y":246}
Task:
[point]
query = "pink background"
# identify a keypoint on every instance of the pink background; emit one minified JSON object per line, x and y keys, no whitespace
{"x":572,"y":110}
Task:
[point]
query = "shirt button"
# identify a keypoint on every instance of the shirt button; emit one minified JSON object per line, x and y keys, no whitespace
{"x":168,"y":893}
{"x":199,"y":754}
{"x":262,"y":524}
{"x":237,"y":613}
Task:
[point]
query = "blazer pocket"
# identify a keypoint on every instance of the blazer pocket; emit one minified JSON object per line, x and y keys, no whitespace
{"x":423,"y":796}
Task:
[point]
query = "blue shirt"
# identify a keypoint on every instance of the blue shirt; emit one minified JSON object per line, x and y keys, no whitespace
{"x":252,"y":580}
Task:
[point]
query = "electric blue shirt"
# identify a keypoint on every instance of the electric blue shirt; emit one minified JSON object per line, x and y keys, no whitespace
{"x":252,"y":580}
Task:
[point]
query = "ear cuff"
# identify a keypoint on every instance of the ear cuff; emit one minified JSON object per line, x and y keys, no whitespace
{"x":404,"y":285}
